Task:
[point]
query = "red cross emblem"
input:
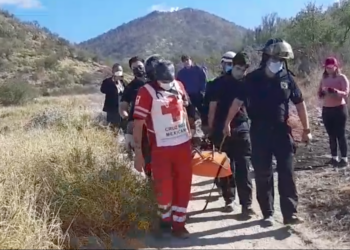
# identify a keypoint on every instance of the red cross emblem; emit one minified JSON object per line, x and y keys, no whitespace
{"x":173,"y":108}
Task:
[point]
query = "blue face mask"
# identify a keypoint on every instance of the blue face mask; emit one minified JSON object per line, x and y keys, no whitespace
{"x":228,"y":68}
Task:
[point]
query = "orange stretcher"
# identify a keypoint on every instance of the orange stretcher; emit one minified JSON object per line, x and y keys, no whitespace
{"x":211,"y":163}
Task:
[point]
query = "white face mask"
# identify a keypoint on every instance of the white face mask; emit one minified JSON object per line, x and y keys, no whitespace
{"x":167,"y":86}
{"x":275,"y":67}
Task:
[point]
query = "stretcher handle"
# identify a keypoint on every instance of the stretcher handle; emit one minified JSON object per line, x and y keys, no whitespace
{"x":216,"y":177}
{"x":213,"y":151}
{"x":220,"y":147}
{"x":222,"y":143}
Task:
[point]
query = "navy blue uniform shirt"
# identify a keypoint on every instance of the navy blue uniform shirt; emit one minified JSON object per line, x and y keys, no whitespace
{"x":130,"y":94}
{"x":267,"y":99}
{"x":225,"y":90}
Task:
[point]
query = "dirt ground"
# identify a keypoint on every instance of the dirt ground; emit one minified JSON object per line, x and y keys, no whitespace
{"x":324,"y":190}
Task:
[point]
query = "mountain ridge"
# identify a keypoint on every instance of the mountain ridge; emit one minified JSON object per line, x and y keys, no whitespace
{"x":187,"y":30}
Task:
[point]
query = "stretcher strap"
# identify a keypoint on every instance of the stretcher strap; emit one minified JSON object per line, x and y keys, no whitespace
{"x":217,"y":174}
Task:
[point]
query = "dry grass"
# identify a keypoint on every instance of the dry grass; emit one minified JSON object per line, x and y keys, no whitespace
{"x":61,"y":175}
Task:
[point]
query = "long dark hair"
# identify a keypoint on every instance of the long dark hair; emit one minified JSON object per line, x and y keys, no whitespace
{"x":336,"y":73}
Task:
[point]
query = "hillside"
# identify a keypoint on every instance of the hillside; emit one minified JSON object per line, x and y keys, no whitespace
{"x":171,"y":33}
{"x":33,"y":55}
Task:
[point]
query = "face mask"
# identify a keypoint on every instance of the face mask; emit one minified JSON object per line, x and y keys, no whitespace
{"x":138,"y":72}
{"x":228,"y":68}
{"x":275,"y":67}
{"x":167,"y":86}
{"x":118,"y":73}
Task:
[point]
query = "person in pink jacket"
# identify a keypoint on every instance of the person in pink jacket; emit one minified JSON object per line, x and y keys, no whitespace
{"x":334,"y":91}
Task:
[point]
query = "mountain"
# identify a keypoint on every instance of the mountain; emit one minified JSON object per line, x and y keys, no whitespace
{"x":32,"y":54}
{"x":188,"y":30}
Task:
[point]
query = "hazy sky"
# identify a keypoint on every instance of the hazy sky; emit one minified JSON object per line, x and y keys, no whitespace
{"x":79,"y":20}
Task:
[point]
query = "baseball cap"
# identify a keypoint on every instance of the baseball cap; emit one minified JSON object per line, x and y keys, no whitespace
{"x":331,"y":62}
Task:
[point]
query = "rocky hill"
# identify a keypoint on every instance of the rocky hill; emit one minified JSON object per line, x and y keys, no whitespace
{"x":32,"y":54}
{"x":170,"y":33}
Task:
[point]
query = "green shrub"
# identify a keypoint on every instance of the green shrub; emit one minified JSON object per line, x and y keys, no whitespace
{"x":16,"y":92}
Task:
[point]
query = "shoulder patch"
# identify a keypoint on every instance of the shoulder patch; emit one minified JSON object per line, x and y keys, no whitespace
{"x":284,"y":85}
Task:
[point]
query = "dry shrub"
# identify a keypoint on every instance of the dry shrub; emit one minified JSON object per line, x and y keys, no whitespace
{"x":62,"y":175}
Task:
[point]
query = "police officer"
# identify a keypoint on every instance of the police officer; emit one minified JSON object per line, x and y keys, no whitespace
{"x":267,"y":92}
{"x":237,"y":145}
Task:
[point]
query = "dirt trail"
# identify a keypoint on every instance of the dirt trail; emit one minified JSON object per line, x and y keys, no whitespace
{"x":213,"y":229}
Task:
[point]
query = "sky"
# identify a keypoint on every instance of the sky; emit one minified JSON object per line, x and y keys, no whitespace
{"x":80,"y":20}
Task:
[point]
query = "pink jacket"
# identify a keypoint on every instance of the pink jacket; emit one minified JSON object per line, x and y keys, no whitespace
{"x":340,"y":84}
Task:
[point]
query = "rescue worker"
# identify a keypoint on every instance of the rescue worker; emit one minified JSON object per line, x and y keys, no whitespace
{"x":226,"y":65}
{"x":126,"y":108}
{"x":237,"y":145}
{"x":160,"y":105}
{"x":267,"y":92}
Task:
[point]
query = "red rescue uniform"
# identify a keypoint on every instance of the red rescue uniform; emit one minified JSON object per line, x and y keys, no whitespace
{"x":169,"y":138}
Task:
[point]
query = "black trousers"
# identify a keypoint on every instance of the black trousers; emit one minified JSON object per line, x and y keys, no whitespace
{"x":334,"y":120}
{"x":238,"y":149}
{"x":268,"y":141}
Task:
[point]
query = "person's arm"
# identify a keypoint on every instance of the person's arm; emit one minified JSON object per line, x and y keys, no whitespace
{"x":234,"y":109}
{"x":241,"y":97}
{"x":298,"y":100}
{"x":123,"y":109}
{"x":320,"y":92}
{"x":213,"y":95}
{"x":137,"y":134}
{"x":190,"y":108}
{"x":104,"y":86}
{"x":344,"y":91}
{"x":125,"y":102}
{"x":203,"y":80}
{"x":143,"y":106}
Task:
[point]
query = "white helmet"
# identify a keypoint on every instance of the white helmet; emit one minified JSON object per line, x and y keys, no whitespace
{"x":228,"y":56}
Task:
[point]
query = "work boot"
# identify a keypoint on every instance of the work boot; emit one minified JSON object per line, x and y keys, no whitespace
{"x":293,"y":220}
{"x":181,"y":233}
{"x":268,"y":221}
{"x":247,"y":211}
